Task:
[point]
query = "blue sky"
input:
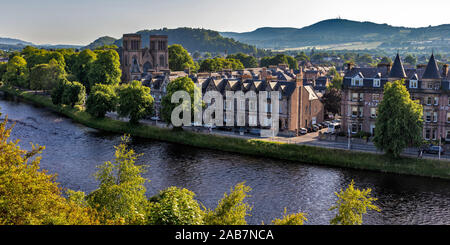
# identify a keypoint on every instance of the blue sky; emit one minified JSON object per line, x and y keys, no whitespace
{"x":82,"y":21}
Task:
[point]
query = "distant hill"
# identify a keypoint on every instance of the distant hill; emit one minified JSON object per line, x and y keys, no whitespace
{"x":106,"y":40}
{"x":200,"y":40}
{"x":17,"y":44}
{"x":343,"y":33}
{"x":12,"y":41}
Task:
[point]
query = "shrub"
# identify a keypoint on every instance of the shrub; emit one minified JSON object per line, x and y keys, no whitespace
{"x":175,"y":206}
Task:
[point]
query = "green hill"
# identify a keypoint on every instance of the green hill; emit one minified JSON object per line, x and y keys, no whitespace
{"x":101,"y":42}
{"x":200,"y":40}
{"x":337,"y":32}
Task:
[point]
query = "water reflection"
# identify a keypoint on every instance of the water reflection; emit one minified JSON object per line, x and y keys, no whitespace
{"x":73,"y":152}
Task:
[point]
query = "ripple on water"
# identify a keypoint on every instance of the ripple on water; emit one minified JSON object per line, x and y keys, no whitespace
{"x":73,"y":152}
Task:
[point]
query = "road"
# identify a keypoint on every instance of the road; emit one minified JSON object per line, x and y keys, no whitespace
{"x":311,"y":139}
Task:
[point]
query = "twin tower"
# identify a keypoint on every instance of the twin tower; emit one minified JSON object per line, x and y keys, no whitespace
{"x":138,"y":61}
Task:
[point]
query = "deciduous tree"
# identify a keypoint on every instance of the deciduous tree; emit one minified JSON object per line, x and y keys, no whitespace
{"x":175,"y":206}
{"x":179,"y":58}
{"x":105,"y":69}
{"x":351,"y":205}
{"x":231,"y":210}
{"x":17,"y":72}
{"x":121,"y":194}
{"x":101,"y":100}
{"x":399,"y":122}
{"x":135,"y":101}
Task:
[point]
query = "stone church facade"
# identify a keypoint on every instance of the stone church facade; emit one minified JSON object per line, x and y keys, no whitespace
{"x":137,"y":62}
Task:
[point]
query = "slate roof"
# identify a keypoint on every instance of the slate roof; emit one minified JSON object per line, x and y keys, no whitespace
{"x":397,"y":71}
{"x":432,"y":70}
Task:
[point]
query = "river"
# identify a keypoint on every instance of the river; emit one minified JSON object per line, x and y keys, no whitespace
{"x":73,"y":151}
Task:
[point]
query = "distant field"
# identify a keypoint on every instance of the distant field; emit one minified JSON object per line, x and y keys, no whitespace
{"x":341,"y":46}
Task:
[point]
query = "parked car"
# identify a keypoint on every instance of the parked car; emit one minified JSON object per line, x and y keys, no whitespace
{"x":303,"y":131}
{"x":315,"y":128}
{"x":320,"y":125}
{"x":255,"y":131}
{"x":434,"y":149}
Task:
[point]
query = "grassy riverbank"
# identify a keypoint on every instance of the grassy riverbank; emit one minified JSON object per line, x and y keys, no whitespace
{"x":260,"y":148}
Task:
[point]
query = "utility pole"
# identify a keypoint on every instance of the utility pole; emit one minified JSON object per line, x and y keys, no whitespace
{"x":440,"y":144}
{"x":349,"y":134}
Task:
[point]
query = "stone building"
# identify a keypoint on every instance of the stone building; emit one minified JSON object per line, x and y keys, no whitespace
{"x":299,"y":105}
{"x":138,"y":60}
{"x":363,"y":90}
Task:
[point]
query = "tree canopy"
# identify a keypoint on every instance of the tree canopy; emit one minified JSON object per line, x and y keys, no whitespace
{"x":105,"y":69}
{"x":179,"y":84}
{"x":279,"y":59}
{"x":134,"y":101}
{"x":179,"y":58}
{"x":399,"y":121}
{"x":247,"y":61}
{"x":219,"y":64}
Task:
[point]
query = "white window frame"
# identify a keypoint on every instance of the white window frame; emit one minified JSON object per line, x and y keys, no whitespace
{"x":376,"y":83}
{"x":413,"y":83}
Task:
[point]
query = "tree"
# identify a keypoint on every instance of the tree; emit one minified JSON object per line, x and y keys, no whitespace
{"x":82,"y":65}
{"x":352,"y":204}
{"x":57,"y":92}
{"x":399,"y":121}
{"x":332,"y":101}
{"x":291,"y":219}
{"x":17,"y":72}
{"x":46,"y":76}
{"x":386,"y":60}
{"x":179,"y":58}
{"x":175,"y":206}
{"x":3,"y":66}
{"x":105,"y":69}
{"x":121,"y":194}
{"x":247,"y":60}
{"x":179,"y":84}
{"x":102,"y":99}
{"x":410,"y":59}
{"x":218,"y":64}
{"x":302,"y":57}
{"x":74,"y":94}
{"x":29,"y":195}
{"x":135,"y":101}
{"x":232,"y":209}
{"x":279,"y":59}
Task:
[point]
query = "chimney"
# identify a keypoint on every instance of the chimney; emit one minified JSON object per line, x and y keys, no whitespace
{"x":445,"y":70}
{"x":421,"y":66}
{"x":388,"y":68}
{"x":299,"y":78}
{"x":349,"y":66}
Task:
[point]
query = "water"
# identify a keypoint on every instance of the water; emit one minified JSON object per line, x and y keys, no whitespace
{"x":73,"y":152}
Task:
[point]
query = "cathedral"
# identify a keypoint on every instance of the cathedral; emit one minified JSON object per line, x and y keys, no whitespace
{"x":138,"y":62}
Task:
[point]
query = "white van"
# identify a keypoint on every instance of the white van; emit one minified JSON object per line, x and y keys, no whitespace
{"x":333,"y":128}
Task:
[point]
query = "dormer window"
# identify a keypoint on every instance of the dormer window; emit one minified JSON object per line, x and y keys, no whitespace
{"x":413,"y":83}
{"x":358,"y":80}
{"x":376,"y":83}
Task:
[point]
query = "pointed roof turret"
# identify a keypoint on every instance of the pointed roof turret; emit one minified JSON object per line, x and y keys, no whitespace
{"x":397,"y":70}
{"x":432,"y":70}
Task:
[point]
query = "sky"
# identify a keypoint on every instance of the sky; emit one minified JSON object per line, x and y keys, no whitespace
{"x":82,"y":21}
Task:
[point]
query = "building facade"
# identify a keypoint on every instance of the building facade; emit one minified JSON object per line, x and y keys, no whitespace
{"x":428,"y":84}
{"x":139,"y":60}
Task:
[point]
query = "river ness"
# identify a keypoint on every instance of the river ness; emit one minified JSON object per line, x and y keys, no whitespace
{"x":73,"y":151}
